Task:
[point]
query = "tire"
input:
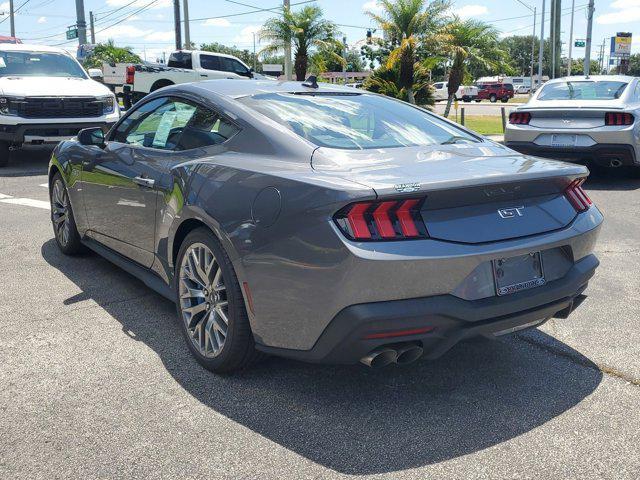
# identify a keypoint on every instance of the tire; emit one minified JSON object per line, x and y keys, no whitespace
{"x":478,"y":100}
{"x":62,"y":218}
{"x":4,"y":154}
{"x":237,"y":350}
{"x":505,"y":100}
{"x":466,"y":99}
{"x":493,"y":98}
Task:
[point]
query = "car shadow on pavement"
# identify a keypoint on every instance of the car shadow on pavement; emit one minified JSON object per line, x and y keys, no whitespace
{"x":349,"y":418}
{"x":612,"y":179}
{"x":27,"y":162}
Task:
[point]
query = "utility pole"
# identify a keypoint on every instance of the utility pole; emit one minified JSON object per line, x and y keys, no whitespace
{"x":81,"y":22}
{"x":541,"y":50}
{"x":187,"y":33}
{"x":552,"y":38}
{"x":573,"y":11}
{"x":92,"y":28}
{"x":12,"y":19}
{"x":587,"y":51}
{"x":558,"y":32}
{"x":344,"y":56}
{"x":177,"y":26}
{"x":533,"y":48}
{"x":287,"y":47}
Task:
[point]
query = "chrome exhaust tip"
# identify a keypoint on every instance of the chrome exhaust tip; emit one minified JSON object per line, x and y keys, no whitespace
{"x":380,"y":358}
{"x":408,"y":354}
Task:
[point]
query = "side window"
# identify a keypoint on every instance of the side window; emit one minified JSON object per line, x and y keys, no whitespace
{"x":157,"y":126}
{"x":225,"y":64}
{"x":438,"y":86}
{"x":239,"y":68}
{"x":210,"y":62}
{"x":205,"y":129}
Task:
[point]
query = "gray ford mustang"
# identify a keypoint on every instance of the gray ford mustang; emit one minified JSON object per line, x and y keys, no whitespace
{"x":324,"y":223}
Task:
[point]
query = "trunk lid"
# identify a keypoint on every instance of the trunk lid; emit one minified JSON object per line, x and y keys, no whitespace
{"x":474,"y":193}
{"x":570,"y":114}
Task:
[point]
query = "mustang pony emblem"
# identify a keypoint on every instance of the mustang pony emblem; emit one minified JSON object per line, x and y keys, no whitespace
{"x":407,"y":187}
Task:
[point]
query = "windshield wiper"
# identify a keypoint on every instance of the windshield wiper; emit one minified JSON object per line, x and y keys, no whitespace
{"x":456,"y":139}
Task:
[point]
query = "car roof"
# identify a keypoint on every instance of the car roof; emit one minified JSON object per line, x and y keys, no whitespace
{"x":25,"y":47}
{"x":207,"y":52}
{"x":595,"y":78}
{"x":236,"y":88}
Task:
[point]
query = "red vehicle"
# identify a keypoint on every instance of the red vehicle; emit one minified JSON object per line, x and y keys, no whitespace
{"x":13,"y":40}
{"x":495,"y":91}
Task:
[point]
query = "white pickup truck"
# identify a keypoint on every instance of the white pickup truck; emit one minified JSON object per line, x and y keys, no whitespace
{"x":183,"y":66}
{"x":464,"y":93}
{"x":46,"y":96}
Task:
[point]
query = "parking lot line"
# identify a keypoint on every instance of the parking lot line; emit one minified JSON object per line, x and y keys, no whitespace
{"x":25,"y":201}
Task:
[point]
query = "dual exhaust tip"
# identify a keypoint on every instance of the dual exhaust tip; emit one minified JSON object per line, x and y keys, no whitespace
{"x":401,"y":354}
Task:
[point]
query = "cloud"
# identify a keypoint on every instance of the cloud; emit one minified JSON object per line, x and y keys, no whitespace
{"x":246,"y":34}
{"x":4,"y":6}
{"x":372,"y":6}
{"x":625,"y":11}
{"x":217,"y":22}
{"x":470,"y":11}
{"x":42,"y":20}
{"x":160,"y":36}
{"x":122,"y":31}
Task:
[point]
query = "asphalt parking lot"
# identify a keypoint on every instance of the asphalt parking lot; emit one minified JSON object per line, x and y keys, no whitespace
{"x":98,"y":382}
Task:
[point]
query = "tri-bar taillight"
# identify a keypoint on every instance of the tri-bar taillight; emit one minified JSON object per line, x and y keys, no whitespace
{"x":577,"y":196}
{"x":618,"y":118}
{"x":519,"y":118}
{"x":131,"y":74}
{"x":382,"y":220}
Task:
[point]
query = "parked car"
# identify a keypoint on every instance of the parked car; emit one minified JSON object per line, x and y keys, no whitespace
{"x":522,"y":89}
{"x":494,"y":92}
{"x":183,"y":66}
{"x":46,"y":96}
{"x":464,"y":93}
{"x":324,"y":223}
{"x":580,"y":119}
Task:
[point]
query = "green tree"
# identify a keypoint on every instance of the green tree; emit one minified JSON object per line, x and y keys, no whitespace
{"x":634,"y":65}
{"x":408,"y":24}
{"x":306,"y":29}
{"x":108,"y":52}
{"x":577,"y":67}
{"x":470,"y":40}
{"x":386,"y":81}
{"x":326,"y":61}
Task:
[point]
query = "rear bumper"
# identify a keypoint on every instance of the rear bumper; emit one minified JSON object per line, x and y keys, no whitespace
{"x":600,"y":153}
{"x":452,"y":319}
{"x":46,"y":133}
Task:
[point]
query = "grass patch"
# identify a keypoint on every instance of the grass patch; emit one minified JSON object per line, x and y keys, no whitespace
{"x":483,"y":124}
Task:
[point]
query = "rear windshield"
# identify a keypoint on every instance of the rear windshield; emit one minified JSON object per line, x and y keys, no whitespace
{"x":583,"y":90}
{"x":39,"y":64}
{"x":355,"y":121}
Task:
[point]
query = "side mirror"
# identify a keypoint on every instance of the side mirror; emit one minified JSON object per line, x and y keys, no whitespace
{"x":95,"y":73}
{"x":91,"y":136}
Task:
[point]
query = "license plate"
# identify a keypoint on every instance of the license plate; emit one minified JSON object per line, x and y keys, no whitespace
{"x":515,"y":274}
{"x":563,"y":140}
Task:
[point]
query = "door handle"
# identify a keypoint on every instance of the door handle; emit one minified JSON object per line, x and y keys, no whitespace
{"x":144,"y":182}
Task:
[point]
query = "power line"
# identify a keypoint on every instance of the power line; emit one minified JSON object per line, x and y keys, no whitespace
{"x":15,"y":11}
{"x":258,"y":10}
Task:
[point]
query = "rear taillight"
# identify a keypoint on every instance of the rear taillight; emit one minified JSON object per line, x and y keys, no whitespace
{"x":519,"y":118}
{"x":577,"y":196}
{"x":131,"y":72}
{"x":384,"y":220}
{"x":615,"y":118}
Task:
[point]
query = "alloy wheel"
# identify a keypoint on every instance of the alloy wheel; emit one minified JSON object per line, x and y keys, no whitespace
{"x":203,"y":300}
{"x":60,"y":212}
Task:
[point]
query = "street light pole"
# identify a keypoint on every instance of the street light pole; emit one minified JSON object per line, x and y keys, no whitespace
{"x":92,"y":28}
{"x":533,"y":39}
{"x":573,"y":11}
{"x":541,"y":49}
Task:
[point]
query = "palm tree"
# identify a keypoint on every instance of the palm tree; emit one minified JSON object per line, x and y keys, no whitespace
{"x":386,"y":81}
{"x":470,"y":41}
{"x":407,"y":24}
{"x":306,"y":29}
{"x":108,"y":52}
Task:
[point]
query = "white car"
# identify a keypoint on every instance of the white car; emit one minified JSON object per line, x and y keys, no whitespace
{"x":464,"y":93}
{"x":522,"y":88}
{"x":46,"y":97}
{"x":183,"y":66}
{"x":581,"y":119}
